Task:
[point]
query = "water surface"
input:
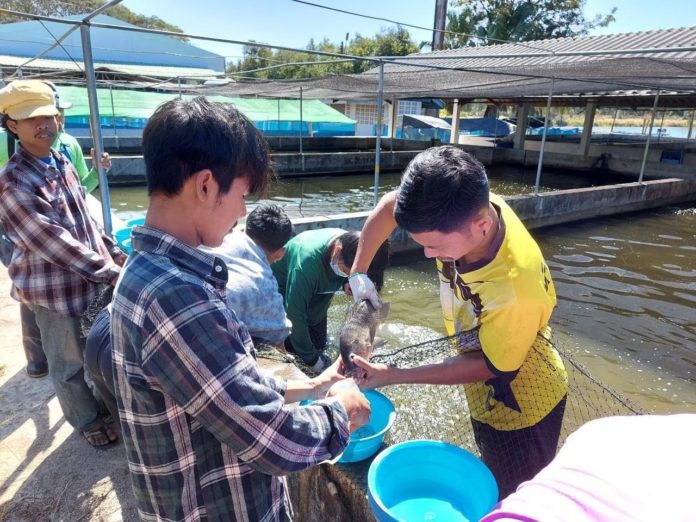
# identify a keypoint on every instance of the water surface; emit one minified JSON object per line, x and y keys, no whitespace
{"x":626,"y":284}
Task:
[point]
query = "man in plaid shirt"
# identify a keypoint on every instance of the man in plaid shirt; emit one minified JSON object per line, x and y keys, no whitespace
{"x":208,"y":435}
{"x":60,"y":255}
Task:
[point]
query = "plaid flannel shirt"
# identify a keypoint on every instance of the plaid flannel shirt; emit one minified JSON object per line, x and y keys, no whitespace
{"x":208,"y":436}
{"x":60,"y":253}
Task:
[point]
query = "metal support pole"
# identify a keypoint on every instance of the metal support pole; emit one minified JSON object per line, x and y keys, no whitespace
{"x":96,"y":125}
{"x":454,"y":128}
{"x":543,"y":139}
{"x":113,"y":110}
{"x":691,"y":125}
{"x":647,"y":142}
{"x":378,"y":137}
{"x":301,"y":132}
{"x":178,"y":85}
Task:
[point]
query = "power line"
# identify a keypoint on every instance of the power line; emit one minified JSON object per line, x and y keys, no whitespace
{"x":430,"y":29}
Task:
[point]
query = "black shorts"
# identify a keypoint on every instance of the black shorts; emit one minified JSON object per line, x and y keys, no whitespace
{"x":516,"y":456}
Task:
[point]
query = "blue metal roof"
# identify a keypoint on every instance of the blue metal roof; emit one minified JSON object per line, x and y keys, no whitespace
{"x":28,"y":39}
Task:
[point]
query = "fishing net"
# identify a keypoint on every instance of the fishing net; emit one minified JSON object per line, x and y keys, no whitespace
{"x":443,"y":413}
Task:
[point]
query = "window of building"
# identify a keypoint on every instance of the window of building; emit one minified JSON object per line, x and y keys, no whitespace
{"x":365,"y":113}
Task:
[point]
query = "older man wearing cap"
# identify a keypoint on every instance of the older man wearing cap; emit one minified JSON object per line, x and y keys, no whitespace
{"x":37,"y":366}
{"x":60,"y":256}
{"x":68,"y":145}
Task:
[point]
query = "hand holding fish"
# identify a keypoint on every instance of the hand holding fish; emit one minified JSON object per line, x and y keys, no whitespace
{"x":358,"y":333}
{"x":373,"y":375}
{"x":326,"y":379}
{"x":362,"y":287}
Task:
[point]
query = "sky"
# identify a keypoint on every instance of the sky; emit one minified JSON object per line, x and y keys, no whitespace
{"x":292,"y":24}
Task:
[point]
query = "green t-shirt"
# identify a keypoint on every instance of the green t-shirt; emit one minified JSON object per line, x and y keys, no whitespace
{"x":69,"y":146}
{"x":307,"y":285}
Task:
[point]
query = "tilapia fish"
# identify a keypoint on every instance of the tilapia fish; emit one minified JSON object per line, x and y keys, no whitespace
{"x":358,"y":334}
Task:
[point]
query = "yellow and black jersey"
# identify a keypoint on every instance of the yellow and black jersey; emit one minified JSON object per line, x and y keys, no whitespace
{"x":509,"y":296}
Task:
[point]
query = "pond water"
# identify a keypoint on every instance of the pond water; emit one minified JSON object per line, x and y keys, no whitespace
{"x":320,"y":195}
{"x":626,"y":285}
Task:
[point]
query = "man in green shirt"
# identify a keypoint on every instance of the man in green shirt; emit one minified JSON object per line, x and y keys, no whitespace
{"x":315,"y":266}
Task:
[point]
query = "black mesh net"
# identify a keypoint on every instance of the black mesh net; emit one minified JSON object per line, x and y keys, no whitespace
{"x":443,"y":413}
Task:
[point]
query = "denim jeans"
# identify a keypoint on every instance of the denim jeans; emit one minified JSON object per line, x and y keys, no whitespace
{"x":64,"y":348}
{"x":31,"y":336}
{"x":98,"y":360}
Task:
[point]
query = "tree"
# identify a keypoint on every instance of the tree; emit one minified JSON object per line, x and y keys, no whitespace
{"x":72,"y":7}
{"x":391,"y":42}
{"x":518,"y":21}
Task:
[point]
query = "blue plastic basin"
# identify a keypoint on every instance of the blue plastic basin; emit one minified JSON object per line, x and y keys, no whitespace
{"x":429,"y":480}
{"x":135,"y":222}
{"x":365,"y":441}
{"x":123,"y":238}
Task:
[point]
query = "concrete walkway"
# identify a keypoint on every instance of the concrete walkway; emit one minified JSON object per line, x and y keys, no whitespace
{"x":47,"y":470}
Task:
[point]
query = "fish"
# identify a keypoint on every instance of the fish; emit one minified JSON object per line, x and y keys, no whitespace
{"x":358,"y":333}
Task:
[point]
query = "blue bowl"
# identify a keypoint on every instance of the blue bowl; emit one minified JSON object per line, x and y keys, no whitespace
{"x":429,"y":480}
{"x":135,"y":222}
{"x":122,"y":236}
{"x":365,"y":441}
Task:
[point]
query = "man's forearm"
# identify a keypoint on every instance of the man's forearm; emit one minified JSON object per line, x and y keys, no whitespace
{"x":378,"y":226}
{"x":462,"y":369}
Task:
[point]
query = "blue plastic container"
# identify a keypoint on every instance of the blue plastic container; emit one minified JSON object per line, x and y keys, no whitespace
{"x":429,"y":480}
{"x":123,"y":238}
{"x":365,"y":441}
{"x":135,"y":222}
{"x":123,"y":235}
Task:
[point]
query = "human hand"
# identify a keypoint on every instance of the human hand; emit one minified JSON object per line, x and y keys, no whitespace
{"x":326,"y":379}
{"x":362,"y":287}
{"x":355,"y":403}
{"x":372,"y":375}
{"x":105,"y":160}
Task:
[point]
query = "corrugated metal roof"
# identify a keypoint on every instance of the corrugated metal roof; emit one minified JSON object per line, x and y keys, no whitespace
{"x":617,"y":69}
{"x":564,"y":51}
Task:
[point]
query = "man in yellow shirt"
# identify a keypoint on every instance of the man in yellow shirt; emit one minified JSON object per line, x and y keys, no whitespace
{"x":497,"y":297}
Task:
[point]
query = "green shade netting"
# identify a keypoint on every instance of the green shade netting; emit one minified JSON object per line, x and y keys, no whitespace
{"x":140,"y":104}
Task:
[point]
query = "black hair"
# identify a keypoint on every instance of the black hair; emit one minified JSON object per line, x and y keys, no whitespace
{"x":4,"y":118}
{"x":441,"y":189}
{"x":184,"y":137}
{"x":349,"y":247}
{"x":269,"y":226}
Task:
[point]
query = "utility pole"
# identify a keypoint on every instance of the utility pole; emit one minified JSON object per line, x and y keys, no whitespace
{"x":439,"y":25}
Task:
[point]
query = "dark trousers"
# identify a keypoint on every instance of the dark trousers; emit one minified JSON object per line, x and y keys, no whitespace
{"x":318,"y":335}
{"x":516,"y":456}
{"x":98,"y":360}
{"x":31,"y":336}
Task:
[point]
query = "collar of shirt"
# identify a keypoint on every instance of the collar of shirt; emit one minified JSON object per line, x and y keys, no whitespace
{"x":151,"y":240}
{"x":39,"y":166}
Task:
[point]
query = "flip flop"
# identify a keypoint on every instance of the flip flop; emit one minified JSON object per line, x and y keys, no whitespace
{"x":100,"y":429}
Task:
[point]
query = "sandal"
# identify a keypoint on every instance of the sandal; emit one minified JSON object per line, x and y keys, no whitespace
{"x":99,"y":433}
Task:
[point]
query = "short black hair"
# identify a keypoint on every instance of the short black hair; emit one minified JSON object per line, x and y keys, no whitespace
{"x":441,"y":189}
{"x":269,"y":226}
{"x":4,"y":118}
{"x":349,"y":247}
{"x":183,"y":137}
